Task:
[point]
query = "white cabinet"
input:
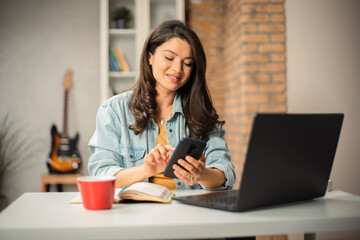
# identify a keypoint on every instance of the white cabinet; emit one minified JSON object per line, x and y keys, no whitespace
{"x":146,"y":14}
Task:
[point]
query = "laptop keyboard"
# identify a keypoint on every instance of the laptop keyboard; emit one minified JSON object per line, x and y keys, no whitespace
{"x":217,"y":198}
{"x":224,"y":199}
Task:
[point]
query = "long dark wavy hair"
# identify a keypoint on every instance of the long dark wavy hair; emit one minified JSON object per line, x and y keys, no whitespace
{"x":200,"y":115}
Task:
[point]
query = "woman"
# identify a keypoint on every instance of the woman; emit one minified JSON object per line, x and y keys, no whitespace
{"x":136,"y":130}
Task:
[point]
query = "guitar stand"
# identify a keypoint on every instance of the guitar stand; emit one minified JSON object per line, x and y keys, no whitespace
{"x":58,"y":186}
{"x":57,"y":179}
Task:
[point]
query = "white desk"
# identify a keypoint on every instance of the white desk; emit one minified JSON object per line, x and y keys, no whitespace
{"x":51,"y":216}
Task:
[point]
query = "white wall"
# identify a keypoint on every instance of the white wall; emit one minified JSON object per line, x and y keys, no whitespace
{"x":323,"y":75}
{"x":39,"y":41}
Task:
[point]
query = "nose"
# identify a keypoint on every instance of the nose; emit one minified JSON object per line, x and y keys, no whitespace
{"x":176,"y":66}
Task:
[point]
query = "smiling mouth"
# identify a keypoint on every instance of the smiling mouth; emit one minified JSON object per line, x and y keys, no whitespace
{"x":173,"y":78}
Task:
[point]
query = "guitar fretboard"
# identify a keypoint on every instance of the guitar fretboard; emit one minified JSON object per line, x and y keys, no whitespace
{"x":65,"y":124}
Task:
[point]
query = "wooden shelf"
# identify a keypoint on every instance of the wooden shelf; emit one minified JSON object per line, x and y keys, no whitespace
{"x":146,"y":14}
{"x":122,"y":74}
{"x":116,"y":31}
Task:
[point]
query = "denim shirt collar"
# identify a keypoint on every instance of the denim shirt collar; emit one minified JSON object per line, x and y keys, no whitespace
{"x":177,"y":107}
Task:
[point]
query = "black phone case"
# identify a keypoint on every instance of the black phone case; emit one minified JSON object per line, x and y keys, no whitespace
{"x":186,"y":146}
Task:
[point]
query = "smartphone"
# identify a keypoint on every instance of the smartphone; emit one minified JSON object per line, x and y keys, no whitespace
{"x":186,"y":147}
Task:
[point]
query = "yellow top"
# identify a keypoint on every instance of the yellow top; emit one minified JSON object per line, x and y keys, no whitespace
{"x":160,"y":178}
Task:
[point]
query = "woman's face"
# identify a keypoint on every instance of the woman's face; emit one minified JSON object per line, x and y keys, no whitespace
{"x":171,"y":64}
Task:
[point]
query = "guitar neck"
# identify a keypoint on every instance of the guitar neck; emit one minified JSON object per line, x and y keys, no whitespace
{"x":65,"y":122}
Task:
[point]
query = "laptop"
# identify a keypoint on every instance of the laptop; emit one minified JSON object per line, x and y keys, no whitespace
{"x":289,"y":159}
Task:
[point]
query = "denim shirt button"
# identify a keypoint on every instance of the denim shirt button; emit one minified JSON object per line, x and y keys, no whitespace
{"x":131,"y":156}
{"x":179,"y":184}
{"x":170,"y":130}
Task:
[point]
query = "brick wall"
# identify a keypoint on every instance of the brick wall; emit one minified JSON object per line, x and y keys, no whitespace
{"x":206,"y":18}
{"x":244,"y":42}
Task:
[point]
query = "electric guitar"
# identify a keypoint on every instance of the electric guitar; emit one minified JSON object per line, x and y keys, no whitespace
{"x":64,"y":156}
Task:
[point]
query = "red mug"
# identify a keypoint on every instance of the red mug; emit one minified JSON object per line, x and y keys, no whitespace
{"x":97,"y":192}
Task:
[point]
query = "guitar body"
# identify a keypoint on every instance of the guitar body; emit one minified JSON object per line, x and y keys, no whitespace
{"x":64,"y":156}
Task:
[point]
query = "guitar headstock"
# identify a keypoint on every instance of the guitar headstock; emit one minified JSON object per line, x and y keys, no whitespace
{"x":67,"y":81}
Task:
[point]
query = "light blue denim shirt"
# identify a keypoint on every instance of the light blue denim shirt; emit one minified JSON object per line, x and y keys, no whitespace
{"x":114,"y":146}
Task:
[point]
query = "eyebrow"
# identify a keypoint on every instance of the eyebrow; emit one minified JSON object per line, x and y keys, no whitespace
{"x":177,"y":54}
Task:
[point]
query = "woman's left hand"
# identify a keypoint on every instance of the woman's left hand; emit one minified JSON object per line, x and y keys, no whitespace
{"x":194,"y":169}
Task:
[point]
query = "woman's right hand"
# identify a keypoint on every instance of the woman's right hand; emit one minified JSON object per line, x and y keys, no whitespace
{"x":155,"y":162}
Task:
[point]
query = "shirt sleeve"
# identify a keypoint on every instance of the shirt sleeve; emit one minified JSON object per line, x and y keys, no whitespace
{"x":105,"y":158}
{"x":218,"y":156}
